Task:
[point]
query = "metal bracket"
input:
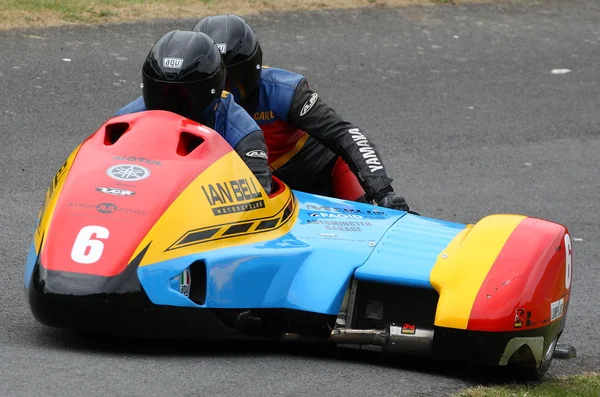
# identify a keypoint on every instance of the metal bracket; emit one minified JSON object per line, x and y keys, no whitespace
{"x":353,"y":288}
{"x":564,"y":352}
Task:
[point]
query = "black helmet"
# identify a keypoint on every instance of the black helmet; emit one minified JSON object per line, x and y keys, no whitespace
{"x":184,"y":73}
{"x":238,"y":43}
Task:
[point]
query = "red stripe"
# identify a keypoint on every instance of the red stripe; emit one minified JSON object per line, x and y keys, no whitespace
{"x":528,"y":273}
{"x":280,"y":138}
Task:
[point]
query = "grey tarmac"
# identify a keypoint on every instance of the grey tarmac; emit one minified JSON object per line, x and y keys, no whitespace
{"x":472,"y":108}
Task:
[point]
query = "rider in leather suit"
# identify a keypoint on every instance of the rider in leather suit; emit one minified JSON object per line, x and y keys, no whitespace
{"x":310,"y":147}
{"x":184,"y":73}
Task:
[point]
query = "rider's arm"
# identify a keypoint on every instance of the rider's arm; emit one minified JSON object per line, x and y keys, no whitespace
{"x":253,"y":150}
{"x":309,"y":113}
{"x":134,"y":106}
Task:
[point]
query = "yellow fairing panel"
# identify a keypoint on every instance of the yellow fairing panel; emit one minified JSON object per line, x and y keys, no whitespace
{"x":224,"y":206}
{"x":462,"y":267}
{"x":50,"y":199}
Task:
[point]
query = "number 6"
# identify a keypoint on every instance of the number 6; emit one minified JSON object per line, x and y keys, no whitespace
{"x":85,"y":249}
{"x":568,"y":261}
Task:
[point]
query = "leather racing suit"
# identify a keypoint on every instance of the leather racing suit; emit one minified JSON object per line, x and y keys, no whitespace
{"x":310,"y":147}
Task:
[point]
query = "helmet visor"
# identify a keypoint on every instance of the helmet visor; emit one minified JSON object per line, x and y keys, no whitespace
{"x":188,"y":99}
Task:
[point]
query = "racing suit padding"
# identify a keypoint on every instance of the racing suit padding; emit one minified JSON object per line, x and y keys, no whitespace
{"x":341,"y":137}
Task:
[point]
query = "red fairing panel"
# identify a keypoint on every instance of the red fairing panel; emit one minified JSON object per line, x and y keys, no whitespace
{"x":120,"y":189}
{"x":532,"y":271}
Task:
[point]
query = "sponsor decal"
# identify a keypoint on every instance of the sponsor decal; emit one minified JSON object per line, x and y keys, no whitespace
{"x":128,"y":172}
{"x":115,"y":191}
{"x":369,"y":213}
{"x":185,"y":282}
{"x":344,"y":226}
{"x":264,"y":116}
{"x":327,"y":215}
{"x":107,"y":208}
{"x":556,"y":309}
{"x":233,"y":196}
{"x":366,"y":150}
{"x":257,"y":153}
{"x":309,"y":104}
{"x":134,"y":159}
{"x":244,"y":228}
{"x":408,"y":329}
{"x":172,"y":63}
{"x":519,"y":317}
{"x":222,"y":47}
{"x":59,"y":174}
{"x":331,"y":238}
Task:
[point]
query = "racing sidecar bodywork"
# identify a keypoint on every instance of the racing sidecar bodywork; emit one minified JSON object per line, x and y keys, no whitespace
{"x":154,"y":226}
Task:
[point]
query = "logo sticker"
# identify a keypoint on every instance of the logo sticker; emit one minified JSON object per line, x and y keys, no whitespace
{"x":257,"y":153}
{"x":519,"y":317}
{"x":408,"y":329}
{"x":222,"y":47}
{"x":327,"y":215}
{"x":128,"y":172}
{"x":115,"y":191}
{"x":556,"y":309}
{"x":365,"y":149}
{"x":134,"y":159}
{"x":172,"y":63}
{"x":228,"y":197}
{"x":185,"y":281}
{"x":106,"y":208}
{"x":309,"y":104}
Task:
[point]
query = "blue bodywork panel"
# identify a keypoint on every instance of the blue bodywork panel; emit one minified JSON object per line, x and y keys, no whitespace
{"x":310,"y":267}
{"x":30,"y":264}
{"x":408,"y":251}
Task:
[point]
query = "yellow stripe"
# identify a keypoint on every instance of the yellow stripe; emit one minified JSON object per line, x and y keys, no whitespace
{"x":52,"y":193}
{"x":191,"y":212}
{"x":462,"y":267}
{"x":286,"y":157}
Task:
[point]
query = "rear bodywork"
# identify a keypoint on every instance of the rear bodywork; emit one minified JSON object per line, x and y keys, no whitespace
{"x":155,"y":227}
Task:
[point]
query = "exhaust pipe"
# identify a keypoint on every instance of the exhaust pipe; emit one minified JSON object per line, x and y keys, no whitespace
{"x":409,"y":340}
{"x":394,"y":340}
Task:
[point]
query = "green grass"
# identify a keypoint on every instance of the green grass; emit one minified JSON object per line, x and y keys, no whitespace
{"x":20,"y":13}
{"x":585,"y":385}
{"x":38,"y":13}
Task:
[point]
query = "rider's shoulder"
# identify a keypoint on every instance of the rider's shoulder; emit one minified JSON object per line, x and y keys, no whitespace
{"x":237,"y":118}
{"x":280,"y":77}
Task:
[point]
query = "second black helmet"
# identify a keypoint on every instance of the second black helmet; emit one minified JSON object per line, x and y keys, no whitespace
{"x":184,"y":73}
{"x":240,"y":47}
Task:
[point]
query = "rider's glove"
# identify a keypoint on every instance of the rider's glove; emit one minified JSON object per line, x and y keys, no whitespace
{"x":390,"y":199}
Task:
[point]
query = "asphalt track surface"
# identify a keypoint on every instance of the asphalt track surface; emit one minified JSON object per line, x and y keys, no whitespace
{"x":463,"y":103}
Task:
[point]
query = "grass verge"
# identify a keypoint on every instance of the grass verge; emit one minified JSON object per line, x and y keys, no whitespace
{"x":44,"y":13}
{"x":584,"y":385}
